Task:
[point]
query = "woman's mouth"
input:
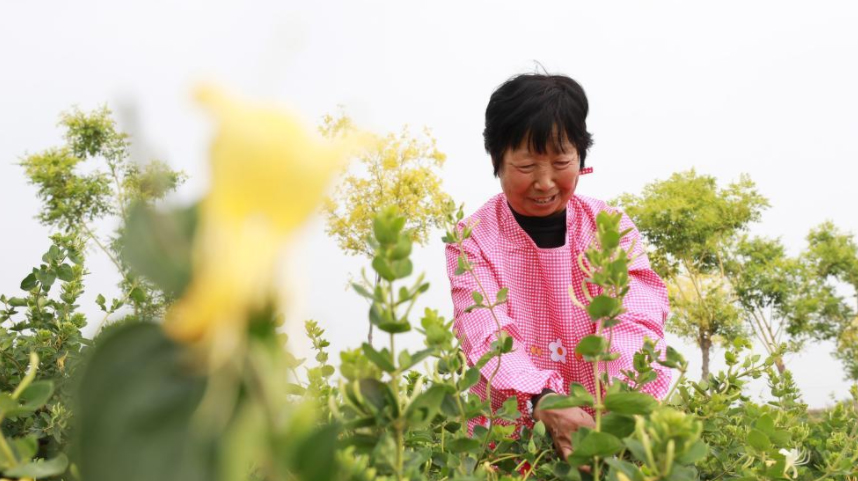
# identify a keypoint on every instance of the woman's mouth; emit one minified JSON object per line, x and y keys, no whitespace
{"x":543,"y":200}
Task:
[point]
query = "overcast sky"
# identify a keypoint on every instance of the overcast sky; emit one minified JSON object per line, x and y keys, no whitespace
{"x":763,"y":88}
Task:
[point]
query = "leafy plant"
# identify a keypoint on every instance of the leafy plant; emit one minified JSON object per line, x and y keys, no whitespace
{"x":397,"y":170}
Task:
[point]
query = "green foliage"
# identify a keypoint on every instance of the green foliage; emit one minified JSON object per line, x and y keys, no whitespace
{"x":399,"y":170}
{"x":87,"y":179}
{"x":724,"y":284}
{"x":92,"y":177}
{"x":146,"y":407}
{"x":17,"y":454}
{"x":833,"y":258}
{"x":42,"y":328}
{"x":691,"y":223}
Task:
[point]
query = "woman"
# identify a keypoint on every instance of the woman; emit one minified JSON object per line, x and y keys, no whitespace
{"x":528,"y":239}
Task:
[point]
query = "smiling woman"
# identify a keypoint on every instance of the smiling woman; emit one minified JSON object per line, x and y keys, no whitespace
{"x":528,"y":239}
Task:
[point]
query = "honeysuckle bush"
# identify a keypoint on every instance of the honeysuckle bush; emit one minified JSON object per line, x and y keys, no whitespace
{"x":212,"y":392}
{"x":87,"y":180}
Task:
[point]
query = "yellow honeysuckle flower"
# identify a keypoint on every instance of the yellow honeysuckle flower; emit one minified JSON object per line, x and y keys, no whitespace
{"x":269,"y":173}
{"x":267,"y":163}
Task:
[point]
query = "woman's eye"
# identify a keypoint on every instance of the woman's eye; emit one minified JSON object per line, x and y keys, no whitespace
{"x":563,"y":163}
{"x":525,"y":167}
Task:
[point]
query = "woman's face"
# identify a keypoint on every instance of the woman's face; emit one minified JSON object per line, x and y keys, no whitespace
{"x":538,"y":185}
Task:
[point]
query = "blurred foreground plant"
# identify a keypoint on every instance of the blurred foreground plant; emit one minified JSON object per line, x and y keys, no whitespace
{"x":206,"y":397}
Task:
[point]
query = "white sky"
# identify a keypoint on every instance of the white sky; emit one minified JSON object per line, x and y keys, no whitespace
{"x":765,"y":88}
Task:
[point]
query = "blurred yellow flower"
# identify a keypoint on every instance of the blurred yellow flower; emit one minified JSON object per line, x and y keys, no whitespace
{"x":268,"y":174}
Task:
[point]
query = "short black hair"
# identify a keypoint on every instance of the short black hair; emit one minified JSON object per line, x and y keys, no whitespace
{"x":538,"y":108}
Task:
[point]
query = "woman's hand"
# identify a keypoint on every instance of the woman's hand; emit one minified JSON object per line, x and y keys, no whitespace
{"x":561,"y":423}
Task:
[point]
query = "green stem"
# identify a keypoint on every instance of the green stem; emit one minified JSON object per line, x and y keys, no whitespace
{"x":28,"y":378}
{"x":397,"y":423}
{"x":598,"y":404}
{"x":533,"y":465}
{"x":497,"y":338}
{"x":7,"y":451}
{"x":24,"y":384}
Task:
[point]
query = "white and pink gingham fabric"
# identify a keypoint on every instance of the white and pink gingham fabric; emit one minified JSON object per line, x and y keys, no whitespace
{"x":539,"y":315}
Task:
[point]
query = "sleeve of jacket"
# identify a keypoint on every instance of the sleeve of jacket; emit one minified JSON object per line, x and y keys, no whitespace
{"x":517,"y":376}
{"x":647,"y":308}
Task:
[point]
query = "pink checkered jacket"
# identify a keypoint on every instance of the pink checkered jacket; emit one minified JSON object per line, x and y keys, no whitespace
{"x":539,"y":315}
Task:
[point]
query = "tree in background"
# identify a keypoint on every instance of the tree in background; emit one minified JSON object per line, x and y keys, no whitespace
{"x":692,"y":224}
{"x":400,"y":170}
{"x":833,"y":256}
{"x":723,"y":282}
{"x":778,"y":294}
{"x":91,"y":178}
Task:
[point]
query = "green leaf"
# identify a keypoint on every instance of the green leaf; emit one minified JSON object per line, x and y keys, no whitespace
{"x":620,"y":425}
{"x":565,"y":472}
{"x":462,"y":265}
{"x":313,"y":455}
{"x":463,"y":445}
{"x":158,"y":245}
{"x":602,"y":306}
{"x":7,"y":403}
{"x":502,"y":294}
{"x":36,"y":395}
{"x":394,"y":327}
{"x":25,"y":447}
{"x":136,"y":398}
{"x":637,"y":449}
{"x":17,"y":301}
{"x":425,"y":406}
{"x":609,"y":240}
{"x":402,"y":269}
{"x":591,"y":345}
{"x":765,"y":424}
{"x":402,"y":249}
{"x":295,"y":389}
{"x":382,"y":266}
{"x":631,"y":471}
{"x":362,"y":291}
{"x":471,"y":377}
{"x":758,"y":440}
{"x":52,"y":254}
{"x":509,"y":409}
{"x":413,"y":359}
{"x":137,"y":295}
{"x":559,"y":401}
{"x":75,"y":257}
{"x":40,"y":468}
{"x":506,"y":342}
{"x":46,"y":277}
{"x":478,"y":298}
{"x":379,"y":395}
{"x":672,"y":358}
{"x":29,"y":282}
{"x":577,"y":389}
{"x":65,"y":273}
{"x":630,"y":403}
{"x":382,"y":230}
{"x":597,"y":443}
{"x":696,"y":452}
{"x":100,"y":300}
{"x":380,"y":359}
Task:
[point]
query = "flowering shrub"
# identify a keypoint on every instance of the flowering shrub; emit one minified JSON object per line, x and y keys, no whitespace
{"x":213,"y":394}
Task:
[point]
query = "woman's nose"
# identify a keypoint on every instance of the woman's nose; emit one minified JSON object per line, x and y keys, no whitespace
{"x":544,"y":181}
